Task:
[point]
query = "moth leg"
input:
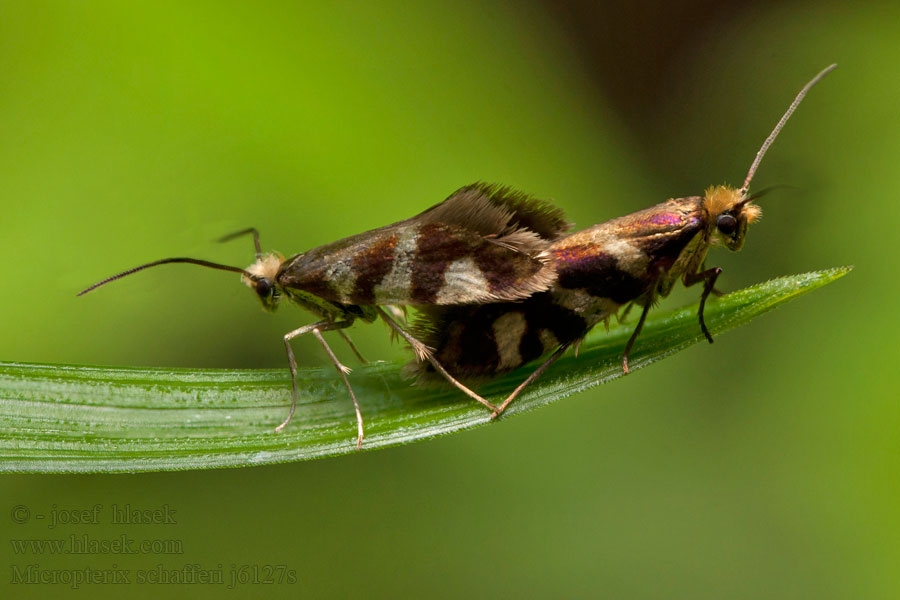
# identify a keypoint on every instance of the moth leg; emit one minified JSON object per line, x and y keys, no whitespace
{"x":424,"y":353}
{"x":637,"y":331}
{"x":316,"y":329}
{"x":350,"y":343}
{"x":537,"y":373}
{"x":237,"y":234}
{"x":621,"y":318}
{"x":709,"y":276}
{"x":398,"y":312}
{"x":715,"y":292}
{"x":342,"y":371}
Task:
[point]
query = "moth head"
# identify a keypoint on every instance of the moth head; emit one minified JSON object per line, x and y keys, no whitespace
{"x":730,"y":211}
{"x":262,"y":278}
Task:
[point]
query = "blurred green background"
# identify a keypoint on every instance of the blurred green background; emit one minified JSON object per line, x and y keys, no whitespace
{"x":763,"y":466}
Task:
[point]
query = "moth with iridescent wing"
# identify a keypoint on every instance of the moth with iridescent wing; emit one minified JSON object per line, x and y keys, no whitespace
{"x":629,"y":261}
{"x":484,"y":243}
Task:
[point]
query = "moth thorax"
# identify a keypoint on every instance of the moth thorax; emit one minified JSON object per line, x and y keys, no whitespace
{"x":265,"y":267}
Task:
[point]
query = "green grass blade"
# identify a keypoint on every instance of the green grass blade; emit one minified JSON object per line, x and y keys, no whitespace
{"x":56,"y":419}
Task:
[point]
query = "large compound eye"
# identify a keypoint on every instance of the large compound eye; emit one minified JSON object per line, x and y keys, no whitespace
{"x":263,"y":287}
{"x":726,"y":224}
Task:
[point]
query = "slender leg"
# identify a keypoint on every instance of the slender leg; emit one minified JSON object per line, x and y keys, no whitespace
{"x":637,"y":331}
{"x":621,"y":318}
{"x":398,"y":312}
{"x":342,"y":371}
{"x":316,"y":329}
{"x":350,"y":343}
{"x":537,"y":373}
{"x":708,"y":276}
{"x":236,"y":234}
{"x":423,"y":353}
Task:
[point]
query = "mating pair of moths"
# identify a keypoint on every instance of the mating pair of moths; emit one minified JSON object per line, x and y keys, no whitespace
{"x":495,"y":279}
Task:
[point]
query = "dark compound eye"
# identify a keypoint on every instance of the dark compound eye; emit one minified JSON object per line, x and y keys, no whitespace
{"x":263,"y":287}
{"x":726,"y":224}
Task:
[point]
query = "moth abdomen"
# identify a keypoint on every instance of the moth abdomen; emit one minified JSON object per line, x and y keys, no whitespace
{"x":480,"y":341}
{"x":597,"y":273}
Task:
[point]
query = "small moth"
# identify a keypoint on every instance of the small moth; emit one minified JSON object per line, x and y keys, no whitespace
{"x":484,"y":243}
{"x":628,"y":261}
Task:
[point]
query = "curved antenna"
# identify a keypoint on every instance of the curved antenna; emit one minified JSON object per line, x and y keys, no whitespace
{"x":777,"y":130}
{"x":237,"y":234}
{"x":193,"y":261}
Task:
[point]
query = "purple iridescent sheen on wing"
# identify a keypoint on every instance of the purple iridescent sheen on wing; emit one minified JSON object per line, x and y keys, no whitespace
{"x":667,"y":219}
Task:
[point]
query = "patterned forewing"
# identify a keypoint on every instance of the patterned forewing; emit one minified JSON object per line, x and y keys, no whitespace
{"x":483,"y":244}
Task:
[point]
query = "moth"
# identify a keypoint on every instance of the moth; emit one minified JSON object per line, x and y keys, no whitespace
{"x":628,"y":261}
{"x":484,"y":243}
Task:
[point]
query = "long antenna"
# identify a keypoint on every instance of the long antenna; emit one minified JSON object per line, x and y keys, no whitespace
{"x":777,"y":130}
{"x":193,"y":261}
